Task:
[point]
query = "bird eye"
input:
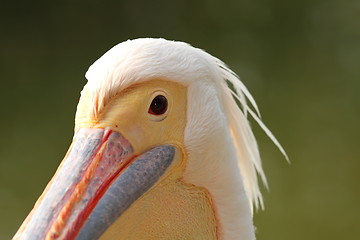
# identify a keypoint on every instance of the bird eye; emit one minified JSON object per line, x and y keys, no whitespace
{"x":158,"y":105}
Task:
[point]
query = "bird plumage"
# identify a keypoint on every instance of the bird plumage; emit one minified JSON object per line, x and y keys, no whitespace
{"x":206,"y":127}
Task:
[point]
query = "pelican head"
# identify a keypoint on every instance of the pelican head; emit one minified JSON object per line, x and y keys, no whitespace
{"x":161,"y":150}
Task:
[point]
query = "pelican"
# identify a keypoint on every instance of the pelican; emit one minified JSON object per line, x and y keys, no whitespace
{"x":161,"y":150}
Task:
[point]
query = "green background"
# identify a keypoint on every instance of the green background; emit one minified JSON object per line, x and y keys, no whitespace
{"x":300,"y":59}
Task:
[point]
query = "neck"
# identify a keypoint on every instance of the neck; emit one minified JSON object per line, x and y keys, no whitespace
{"x":212,"y":164}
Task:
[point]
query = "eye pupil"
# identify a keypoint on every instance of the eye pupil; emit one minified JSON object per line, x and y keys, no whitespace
{"x":158,"y":105}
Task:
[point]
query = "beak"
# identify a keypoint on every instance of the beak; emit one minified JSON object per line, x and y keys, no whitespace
{"x":99,"y":178}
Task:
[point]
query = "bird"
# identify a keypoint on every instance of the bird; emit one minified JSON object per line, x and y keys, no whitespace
{"x":162,"y":149}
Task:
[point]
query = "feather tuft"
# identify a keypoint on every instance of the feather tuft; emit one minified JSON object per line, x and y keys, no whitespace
{"x":248,"y":157}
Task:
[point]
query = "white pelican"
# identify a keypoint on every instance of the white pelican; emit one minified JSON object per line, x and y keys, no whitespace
{"x":161,"y":150}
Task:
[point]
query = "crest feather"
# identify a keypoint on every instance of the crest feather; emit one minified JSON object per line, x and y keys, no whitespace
{"x":249,"y":160}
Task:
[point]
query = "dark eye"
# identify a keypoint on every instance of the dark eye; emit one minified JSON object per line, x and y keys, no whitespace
{"x":158,"y":105}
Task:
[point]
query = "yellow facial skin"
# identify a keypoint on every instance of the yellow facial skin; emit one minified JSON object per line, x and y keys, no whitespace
{"x":171,"y":209}
{"x":128,"y":114}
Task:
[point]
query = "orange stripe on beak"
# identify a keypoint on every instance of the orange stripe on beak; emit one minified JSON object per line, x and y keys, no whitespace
{"x":94,"y":160}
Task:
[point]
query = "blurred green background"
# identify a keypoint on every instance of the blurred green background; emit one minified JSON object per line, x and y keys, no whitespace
{"x":300,"y":59}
